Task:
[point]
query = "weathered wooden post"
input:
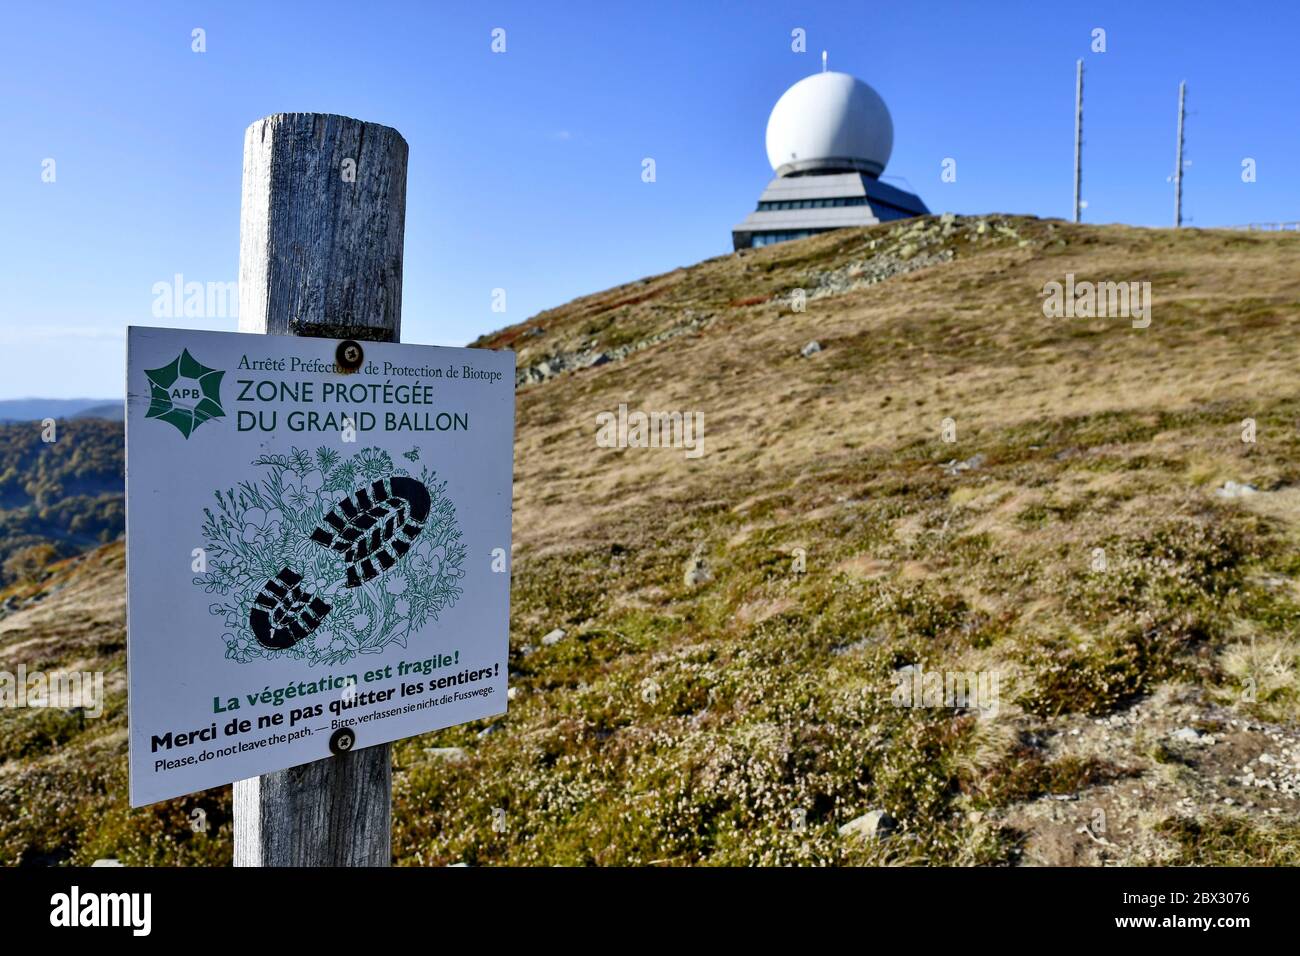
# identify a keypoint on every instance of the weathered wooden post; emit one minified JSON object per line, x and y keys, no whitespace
{"x":320,"y":253}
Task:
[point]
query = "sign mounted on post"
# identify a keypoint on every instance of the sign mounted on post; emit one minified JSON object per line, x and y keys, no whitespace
{"x":318,"y":541}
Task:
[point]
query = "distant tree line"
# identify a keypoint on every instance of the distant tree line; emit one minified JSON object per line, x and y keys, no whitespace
{"x":67,"y":494}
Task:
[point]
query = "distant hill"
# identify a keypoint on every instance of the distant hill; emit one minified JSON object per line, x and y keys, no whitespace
{"x":68,"y":492}
{"x":35,"y":409}
{"x":707,"y":653}
{"x":108,"y":411}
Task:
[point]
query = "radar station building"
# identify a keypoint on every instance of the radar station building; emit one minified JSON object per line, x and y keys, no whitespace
{"x":828,"y":140}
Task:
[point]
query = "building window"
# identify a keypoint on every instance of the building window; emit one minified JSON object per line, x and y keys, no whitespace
{"x":831,"y":203}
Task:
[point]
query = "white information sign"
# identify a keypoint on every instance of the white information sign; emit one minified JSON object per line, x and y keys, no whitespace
{"x":317,"y":557}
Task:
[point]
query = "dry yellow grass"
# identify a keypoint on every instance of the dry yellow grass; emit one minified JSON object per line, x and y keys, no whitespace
{"x":966,"y":339}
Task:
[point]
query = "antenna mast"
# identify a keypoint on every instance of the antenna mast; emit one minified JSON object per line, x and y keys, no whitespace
{"x":1178,"y":166}
{"x":1078,"y":134}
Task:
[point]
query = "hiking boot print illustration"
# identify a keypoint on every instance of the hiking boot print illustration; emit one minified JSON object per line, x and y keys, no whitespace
{"x":371,"y":529}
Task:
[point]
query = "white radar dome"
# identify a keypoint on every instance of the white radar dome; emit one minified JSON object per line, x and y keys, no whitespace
{"x":829,"y":121}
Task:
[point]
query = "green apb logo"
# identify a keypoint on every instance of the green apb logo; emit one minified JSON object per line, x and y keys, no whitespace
{"x":185,"y":393}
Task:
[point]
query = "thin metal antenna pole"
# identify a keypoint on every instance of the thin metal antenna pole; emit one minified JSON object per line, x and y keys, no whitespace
{"x":1078,"y":134}
{"x":1178,"y":164}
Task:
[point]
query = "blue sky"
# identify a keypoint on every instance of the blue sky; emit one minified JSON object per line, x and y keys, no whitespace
{"x":525,"y":167}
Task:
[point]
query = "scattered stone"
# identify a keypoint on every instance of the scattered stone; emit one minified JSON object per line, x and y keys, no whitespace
{"x":697,"y":571}
{"x":488,"y":731}
{"x":872,"y":825}
{"x":861,"y":273}
{"x":955,"y":467}
{"x":1232,"y":489}
{"x":512,"y":693}
{"x":554,"y":637}
{"x":449,"y":754}
{"x":588,"y":357}
{"x":855,"y":646}
{"x":812,"y":348}
{"x":110,"y":861}
{"x":1188,"y":735}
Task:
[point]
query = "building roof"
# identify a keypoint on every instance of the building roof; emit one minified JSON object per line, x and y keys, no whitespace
{"x":882,"y":202}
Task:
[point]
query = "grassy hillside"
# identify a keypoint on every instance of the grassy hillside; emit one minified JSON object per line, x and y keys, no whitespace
{"x":68,"y":491}
{"x":735,"y":624}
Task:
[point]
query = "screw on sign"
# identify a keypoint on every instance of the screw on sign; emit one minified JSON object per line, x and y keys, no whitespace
{"x":342,"y":740}
{"x":349,"y":356}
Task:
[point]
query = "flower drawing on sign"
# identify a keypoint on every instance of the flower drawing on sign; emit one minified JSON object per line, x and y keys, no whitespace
{"x":304,"y":491}
{"x":325,"y":557}
{"x":260,"y":524}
